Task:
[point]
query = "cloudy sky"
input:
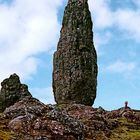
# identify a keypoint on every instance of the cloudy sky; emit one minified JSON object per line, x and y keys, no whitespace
{"x":29,"y":32}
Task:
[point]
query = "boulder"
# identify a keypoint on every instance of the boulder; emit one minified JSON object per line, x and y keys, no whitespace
{"x":12,"y":91}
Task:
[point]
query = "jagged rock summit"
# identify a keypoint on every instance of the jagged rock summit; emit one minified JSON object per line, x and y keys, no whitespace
{"x":12,"y":91}
{"x":75,"y":61}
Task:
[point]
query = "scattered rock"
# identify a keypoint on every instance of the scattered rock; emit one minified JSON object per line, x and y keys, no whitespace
{"x":74,"y":126}
{"x":28,"y":107}
{"x":29,"y":119}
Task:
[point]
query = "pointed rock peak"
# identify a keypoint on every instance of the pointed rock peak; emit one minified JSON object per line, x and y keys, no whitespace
{"x":14,"y":78}
{"x":75,"y":61}
{"x":12,"y":91}
{"x":78,"y":2}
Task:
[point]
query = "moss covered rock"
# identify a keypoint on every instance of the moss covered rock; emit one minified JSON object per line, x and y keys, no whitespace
{"x":75,"y":61}
{"x":12,"y":91}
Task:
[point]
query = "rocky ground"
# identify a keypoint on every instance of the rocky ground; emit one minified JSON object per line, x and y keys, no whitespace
{"x":29,"y":119}
{"x":75,"y":71}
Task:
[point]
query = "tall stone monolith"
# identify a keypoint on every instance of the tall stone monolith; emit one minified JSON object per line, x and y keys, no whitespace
{"x":75,"y":61}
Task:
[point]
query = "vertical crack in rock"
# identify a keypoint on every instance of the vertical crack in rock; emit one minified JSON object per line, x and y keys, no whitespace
{"x":75,"y":61}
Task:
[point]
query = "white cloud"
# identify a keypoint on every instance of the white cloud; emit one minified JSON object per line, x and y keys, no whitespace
{"x":27,"y":28}
{"x":45,"y":95}
{"x":102,"y":15}
{"x":101,"y":39}
{"x":121,"y":67}
{"x":127,"y":20}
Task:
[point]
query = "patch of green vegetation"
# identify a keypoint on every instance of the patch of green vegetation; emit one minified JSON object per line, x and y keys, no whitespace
{"x":4,"y":135}
{"x":61,"y":106}
{"x":126,"y":135}
{"x":126,"y":131}
{"x":1,"y":115}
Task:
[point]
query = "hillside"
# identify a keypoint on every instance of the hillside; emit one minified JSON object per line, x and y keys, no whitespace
{"x":29,"y":119}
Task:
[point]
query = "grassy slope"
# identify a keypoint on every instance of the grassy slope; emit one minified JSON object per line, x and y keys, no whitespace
{"x":126,"y":131}
{"x":5,"y":134}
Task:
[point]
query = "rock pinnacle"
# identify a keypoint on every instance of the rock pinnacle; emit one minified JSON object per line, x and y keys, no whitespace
{"x":75,"y":61}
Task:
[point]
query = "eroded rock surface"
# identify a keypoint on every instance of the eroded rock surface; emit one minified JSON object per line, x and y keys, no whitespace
{"x":12,"y":91}
{"x":29,"y":119}
{"x":75,"y":61}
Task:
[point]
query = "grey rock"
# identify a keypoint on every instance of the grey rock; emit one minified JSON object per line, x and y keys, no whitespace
{"x":74,"y":126}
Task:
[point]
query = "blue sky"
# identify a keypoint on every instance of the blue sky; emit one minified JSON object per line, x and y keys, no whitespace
{"x":29,"y":32}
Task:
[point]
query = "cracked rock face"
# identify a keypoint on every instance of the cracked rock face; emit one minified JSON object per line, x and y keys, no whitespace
{"x":75,"y":61}
{"x":12,"y":91}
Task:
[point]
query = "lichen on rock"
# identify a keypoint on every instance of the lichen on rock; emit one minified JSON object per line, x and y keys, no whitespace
{"x":75,"y":61}
{"x":12,"y":91}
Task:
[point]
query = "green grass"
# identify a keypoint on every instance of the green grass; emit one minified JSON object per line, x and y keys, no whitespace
{"x":5,"y":135}
{"x":126,"y":131}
